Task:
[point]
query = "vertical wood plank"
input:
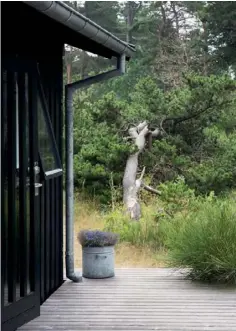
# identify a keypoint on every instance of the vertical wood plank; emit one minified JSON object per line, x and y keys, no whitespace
{"x":56,"y":96}
{"x":51,"y":89}
{"x":12,"y":235}
{"x":34,"y":203}
{"x":47,"y":239}
{"x":42,"y":245}
{"x":4,"y":188}
{"x":60,"y":179}
{"x":23,"y":162}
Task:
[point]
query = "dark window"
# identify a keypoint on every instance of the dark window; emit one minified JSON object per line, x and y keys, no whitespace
{"x":49,"y":156}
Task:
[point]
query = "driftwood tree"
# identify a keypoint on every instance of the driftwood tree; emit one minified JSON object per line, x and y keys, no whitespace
{"x":140,"y":135}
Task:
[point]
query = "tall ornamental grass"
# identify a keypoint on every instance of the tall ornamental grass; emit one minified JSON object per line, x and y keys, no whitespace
{"x":204,"y":241}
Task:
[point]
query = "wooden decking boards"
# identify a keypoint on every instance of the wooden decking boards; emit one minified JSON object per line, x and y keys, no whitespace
{"x":138,"y":299}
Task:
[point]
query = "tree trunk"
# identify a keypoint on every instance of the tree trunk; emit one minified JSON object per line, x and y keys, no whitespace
{"x":130,"y":189}
{"x":131,"y":9}
{"x":205,"y":49}
{"x":176,"y":17}
{"x":129,"y":22}
{"x":131,"y":185}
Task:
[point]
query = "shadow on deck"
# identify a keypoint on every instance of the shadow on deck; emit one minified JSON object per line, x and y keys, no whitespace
{"x":138,"y":299}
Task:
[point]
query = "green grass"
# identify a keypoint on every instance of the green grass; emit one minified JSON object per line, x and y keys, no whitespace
{"x":144,"y":233}
{"x":178,"y":230}
{"x":133,"y":249}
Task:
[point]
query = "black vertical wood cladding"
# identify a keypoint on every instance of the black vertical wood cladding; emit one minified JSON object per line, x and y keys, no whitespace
{"x":33,"y":151}
{"x":47,"y":236}
{"x":52,"y":188}
{"x":3,"y":183}
{"x":5,"y":118}
{"x":38,"y":247}
{"x":58,"y":184}
{"x":23,"y":165}
{"x":52,"y":194}
{"x":42,"y":243}
{"x":60,"y":229}
{"x":14,"y":242}
{"x":12,"y":229}
{"x":49,"y":230}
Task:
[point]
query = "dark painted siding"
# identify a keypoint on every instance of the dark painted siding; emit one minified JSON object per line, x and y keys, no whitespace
{"x":36,"y":39}
{"x":51,"y":199}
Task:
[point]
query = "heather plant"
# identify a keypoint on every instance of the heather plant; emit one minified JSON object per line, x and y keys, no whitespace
{"x":96,"y":238}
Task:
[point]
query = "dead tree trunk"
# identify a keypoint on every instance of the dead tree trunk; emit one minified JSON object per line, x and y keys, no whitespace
{"x":132,"y":185}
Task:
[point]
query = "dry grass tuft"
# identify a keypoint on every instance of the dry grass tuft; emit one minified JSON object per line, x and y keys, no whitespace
{"x":87,"y":216}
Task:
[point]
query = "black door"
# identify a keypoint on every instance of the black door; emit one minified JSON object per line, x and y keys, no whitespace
{"x":20,"y":272}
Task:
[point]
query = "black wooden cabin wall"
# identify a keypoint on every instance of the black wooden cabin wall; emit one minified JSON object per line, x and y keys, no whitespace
{"x":51,"y":198}
{"x":32,"y":39}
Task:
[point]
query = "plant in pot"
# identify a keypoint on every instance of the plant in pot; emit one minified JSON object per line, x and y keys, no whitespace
{"x":97,"y":253}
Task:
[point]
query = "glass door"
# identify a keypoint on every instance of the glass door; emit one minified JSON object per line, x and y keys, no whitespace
{"x":19,"y":193}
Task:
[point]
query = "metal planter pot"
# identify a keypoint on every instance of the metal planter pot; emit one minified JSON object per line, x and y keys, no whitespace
{"x":98,"y":262}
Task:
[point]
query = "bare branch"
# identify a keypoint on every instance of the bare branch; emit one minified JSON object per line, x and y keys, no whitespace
{"x":188,"y":117}
{"x":142,"y":173}
{"x":150,"y":189}
{"x":138,"y":182}
{"x":133,"y":133}
{"x":140,"y":130}
{"x":127,"y":138}
{"x":141,"y":126}
{"x":161,"y":125}
{"x":156,"y":133}
{"x":141,"y":139}
{"x":125,"y":128}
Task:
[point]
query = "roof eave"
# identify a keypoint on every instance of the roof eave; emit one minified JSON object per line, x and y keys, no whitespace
{"x":67,"y":16}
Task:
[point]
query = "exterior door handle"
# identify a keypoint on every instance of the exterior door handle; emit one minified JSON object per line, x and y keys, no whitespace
{"x":37,"y":185}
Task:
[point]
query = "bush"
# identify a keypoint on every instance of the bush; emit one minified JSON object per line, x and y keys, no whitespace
{"x":204,"y":240}
{"x":89,"y":238}
{"x":144,"y":233}
{"x":176,"y":195}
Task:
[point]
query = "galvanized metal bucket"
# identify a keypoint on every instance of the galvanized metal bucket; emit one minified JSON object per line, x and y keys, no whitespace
{"x":98,"y":262}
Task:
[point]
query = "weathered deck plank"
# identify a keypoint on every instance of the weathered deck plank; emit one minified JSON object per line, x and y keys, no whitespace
{"x":138,"y":299}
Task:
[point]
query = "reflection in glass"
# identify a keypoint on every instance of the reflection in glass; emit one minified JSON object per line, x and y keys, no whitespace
{"x":22,"y":203}
{"x":45,"y":141}
{"x":28,"y":278}
{"x":28,"y":219}
{"x":18,"y":266}
{"x":4,"y":186}
{"x":17,"y":199}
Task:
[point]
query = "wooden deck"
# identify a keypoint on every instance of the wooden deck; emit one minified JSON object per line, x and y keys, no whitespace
{"x":138,"y":299}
